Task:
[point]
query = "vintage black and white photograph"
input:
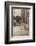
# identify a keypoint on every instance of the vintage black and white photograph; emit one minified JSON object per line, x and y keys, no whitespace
{"x":20,"y":22}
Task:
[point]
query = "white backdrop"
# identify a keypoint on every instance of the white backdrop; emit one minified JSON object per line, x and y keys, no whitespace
{"x":2,"y":25}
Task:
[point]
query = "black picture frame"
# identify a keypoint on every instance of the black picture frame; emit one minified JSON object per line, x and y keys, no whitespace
{"x":6,"y":19}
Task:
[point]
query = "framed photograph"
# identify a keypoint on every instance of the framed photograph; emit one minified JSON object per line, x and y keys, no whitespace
{"x":19,"y":22}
